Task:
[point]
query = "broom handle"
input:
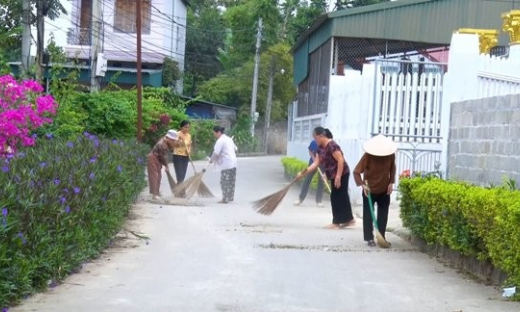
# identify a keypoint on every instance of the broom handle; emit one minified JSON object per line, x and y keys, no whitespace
{"x":189,"y":156}
{"x":324,"y":180}
{"x":371,"y":204}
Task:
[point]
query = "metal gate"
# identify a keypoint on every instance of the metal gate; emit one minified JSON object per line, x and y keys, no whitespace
{"x":407,"y":108}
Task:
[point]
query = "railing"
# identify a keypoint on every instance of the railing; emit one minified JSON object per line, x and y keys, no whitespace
{"x":79,"y":36}
{"x":303,"y":126}
{"x":408,"y":100}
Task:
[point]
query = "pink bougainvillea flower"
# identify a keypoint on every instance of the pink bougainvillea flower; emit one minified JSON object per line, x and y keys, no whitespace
{"x":23,"y":109}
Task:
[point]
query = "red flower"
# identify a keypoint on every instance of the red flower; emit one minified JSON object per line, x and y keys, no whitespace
{"x":165,"y":119}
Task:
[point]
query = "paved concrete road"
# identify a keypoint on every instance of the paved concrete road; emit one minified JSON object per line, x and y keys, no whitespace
{"x":228,"y":258}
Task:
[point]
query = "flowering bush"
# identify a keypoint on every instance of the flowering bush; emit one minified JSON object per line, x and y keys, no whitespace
{"x":22,"y":109}
{"x":60,"y":203}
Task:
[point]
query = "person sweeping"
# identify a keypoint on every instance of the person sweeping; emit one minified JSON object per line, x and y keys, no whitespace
{"x":330,"y":157}
{"x":225,"y":158}
{"x":181,"y":152}
{"x":313,"y":149}
{"x":157,"y":158}
{"x":377,"y":165}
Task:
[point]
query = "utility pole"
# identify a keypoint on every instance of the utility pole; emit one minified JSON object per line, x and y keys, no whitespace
{"x":255,"y":78}
{"x":139,"y":74}
{"x":26,"y":35}
{"x":269,"y":101}
{"x":40,"y":28}
{"x":95,"y":44}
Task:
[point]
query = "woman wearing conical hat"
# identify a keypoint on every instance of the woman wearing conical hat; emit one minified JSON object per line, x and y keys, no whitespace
{"x":378,"y":169}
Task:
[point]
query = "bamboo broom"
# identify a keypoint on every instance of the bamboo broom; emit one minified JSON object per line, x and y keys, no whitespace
{"x":381,"y":241}
{"x":268,"y":204}
{"x":171,"y":181}
{"x":193,"y":185}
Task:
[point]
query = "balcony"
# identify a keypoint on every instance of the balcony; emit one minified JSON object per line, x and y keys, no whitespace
{"x":79,"y":36}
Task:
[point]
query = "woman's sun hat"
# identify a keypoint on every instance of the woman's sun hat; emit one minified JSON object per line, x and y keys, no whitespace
{"x":172,"y":134}
{"x":380,"y":145}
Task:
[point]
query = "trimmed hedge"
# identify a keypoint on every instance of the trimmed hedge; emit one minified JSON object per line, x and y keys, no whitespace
{"x":61,"y":203}
{"x":476,"y":221}
{"x":293,"y":165}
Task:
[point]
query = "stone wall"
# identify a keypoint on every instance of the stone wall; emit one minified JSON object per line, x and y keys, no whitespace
{"x":484,"y":140}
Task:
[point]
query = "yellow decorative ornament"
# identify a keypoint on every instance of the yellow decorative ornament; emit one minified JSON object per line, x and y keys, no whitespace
{"x":488,"y":38}
{"x":511,"y":25}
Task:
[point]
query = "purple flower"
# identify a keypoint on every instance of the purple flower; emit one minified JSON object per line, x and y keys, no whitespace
{"x":21,"y":155}
{"x":10,"y":156}
{"x":17,"y":179}
{"x":96,"y":142}
{"x":91,"y":176}
{"x":86,"y":134}
{"x":104,"y":199}
{"x":67,"y":209}
{"x":62,"y":200}
{"x":70,"y":144}
{"x":20,"y":236}
{"x":5,"y":310}
{"x":77,"y":190}
{"x":56,"y":182}
{"x":43,"y":164}
{"x":5,"y":168}
{"x":139,"y":160}
{"x":34,"y":136}
{"x":66,"y":191}
{"x":119,"y":168}
{"x":48,"y":136}
{"x":31,"y":183}
{"x":114,"y":141}
{"x":57,"y":159}
{"x":93,"y":159}
{"x":4,"y":212}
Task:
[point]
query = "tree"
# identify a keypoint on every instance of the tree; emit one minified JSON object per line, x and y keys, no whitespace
{"x":205,"y":36}
{"x":305,"y":15}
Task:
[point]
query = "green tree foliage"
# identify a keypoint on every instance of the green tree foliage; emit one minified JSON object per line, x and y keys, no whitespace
{"x":300,"y":15}
{"x":205,"y":36}
{"x":235,"y":87}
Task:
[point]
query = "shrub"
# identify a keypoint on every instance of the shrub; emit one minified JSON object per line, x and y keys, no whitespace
{"x":23,"y":108}
{"x":203,"y":138}
{"x":241,"y":134}
{"x":476,"y":221}
{"x":293,"y":165}
{"x":61,"y":204}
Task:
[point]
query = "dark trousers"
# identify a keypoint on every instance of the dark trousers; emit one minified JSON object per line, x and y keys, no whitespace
{"x":228,"y":178}
{"x":383,"y":205}
{"x":180,"y":164}
{"x":307,"y":183}
{"x":340,"y":201}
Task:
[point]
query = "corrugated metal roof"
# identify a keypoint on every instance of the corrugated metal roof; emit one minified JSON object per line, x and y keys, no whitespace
{"x":428,"y":21}
{"x":425,"y":23}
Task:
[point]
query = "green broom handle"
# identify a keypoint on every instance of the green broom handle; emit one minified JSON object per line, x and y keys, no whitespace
{"x":371,"y":204}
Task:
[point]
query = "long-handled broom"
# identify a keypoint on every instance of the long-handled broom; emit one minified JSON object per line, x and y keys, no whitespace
{"x":193,"y":185}
{"x":381,"y":241}
{"x":171,"y":181}
{"x":202,"y":189}
{"x":268,"y":204}
{"x":324,"y":180}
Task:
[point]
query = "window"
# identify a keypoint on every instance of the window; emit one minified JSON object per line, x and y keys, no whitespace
{"x":125,"y":16}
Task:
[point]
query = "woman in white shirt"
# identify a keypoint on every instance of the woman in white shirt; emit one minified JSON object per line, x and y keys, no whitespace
{"x":225,"y":158}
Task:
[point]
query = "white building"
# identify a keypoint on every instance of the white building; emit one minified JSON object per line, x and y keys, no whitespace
{"x":163,"y":32}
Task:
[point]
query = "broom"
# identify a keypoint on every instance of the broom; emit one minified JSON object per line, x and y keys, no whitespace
{"x":171,"y":181}
{"x":324,"y":180}
{"x":192,"y":186}
{"x":202,"y":189}
{"x":381,"y":241}
{"x":268,"y":204}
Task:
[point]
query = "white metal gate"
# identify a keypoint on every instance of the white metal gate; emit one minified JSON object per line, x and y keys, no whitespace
{"x":407,"y":108}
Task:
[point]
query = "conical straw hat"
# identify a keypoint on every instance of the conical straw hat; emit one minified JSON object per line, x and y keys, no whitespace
{"x":380,"y":145}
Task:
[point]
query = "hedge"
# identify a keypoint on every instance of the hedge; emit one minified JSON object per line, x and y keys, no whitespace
{"x":293,"y":165}
{"x":476,"y":221}
{"x":61,"y":203}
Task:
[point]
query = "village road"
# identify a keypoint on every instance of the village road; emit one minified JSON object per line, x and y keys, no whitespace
{"x":215,"y":257}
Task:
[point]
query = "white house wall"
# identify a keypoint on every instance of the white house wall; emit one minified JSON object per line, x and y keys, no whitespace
{"x":166,"y":38}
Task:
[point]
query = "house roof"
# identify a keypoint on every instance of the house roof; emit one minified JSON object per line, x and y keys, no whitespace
{"x":197,"y":101}
{"x":428,"y":21}
{"x":398,"y":26}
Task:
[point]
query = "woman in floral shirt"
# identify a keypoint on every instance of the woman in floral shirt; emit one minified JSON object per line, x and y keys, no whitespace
{"x":330,"y":157}
{"x":157,"y":158}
